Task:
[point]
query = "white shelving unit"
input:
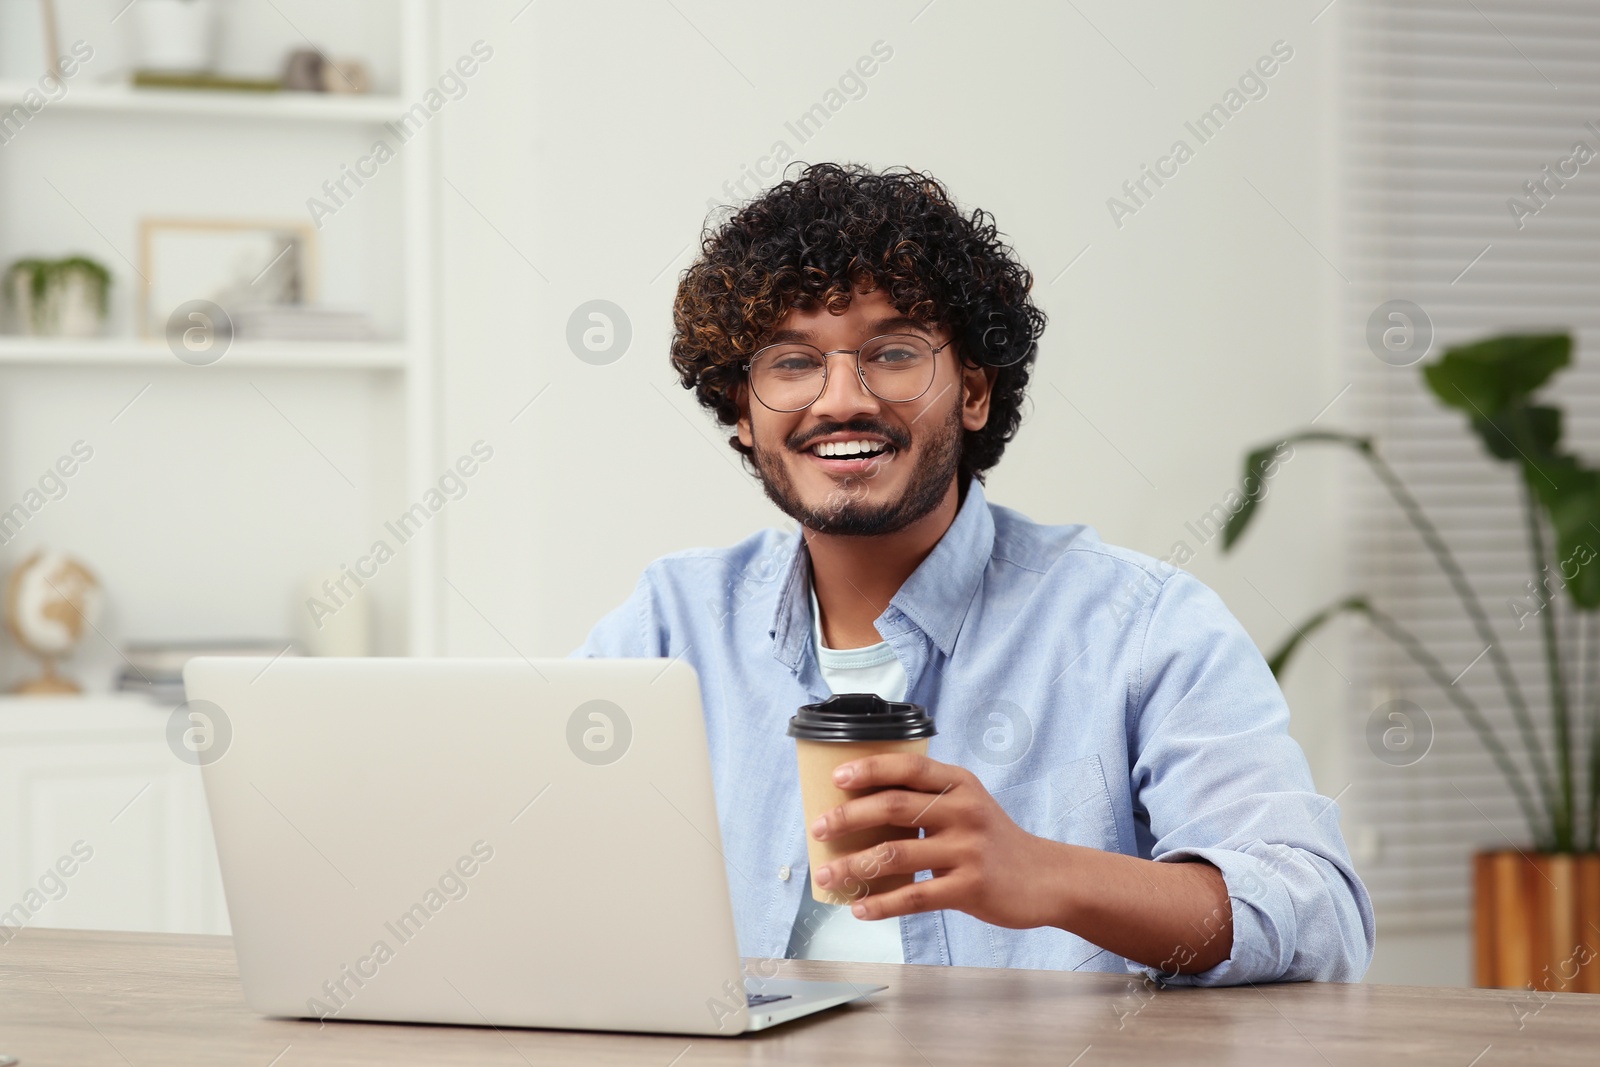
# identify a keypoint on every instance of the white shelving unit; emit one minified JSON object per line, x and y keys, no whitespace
{"x":295,"y":106}
{"x":282,"y":455}
{"x":128,"y":352}
{"x":105,"y":125}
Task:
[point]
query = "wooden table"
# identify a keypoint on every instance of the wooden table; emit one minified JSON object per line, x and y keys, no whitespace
{"x":84,"y":998}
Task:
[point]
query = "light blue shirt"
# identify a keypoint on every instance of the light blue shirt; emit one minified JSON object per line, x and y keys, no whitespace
{"x":1103,"y":697}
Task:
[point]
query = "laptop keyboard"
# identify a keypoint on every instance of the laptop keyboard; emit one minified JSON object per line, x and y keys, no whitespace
{"x":752,"y":1000}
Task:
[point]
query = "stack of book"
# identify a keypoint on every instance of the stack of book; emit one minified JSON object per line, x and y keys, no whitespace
{"x":300,"y":322}
{"x":155,"y":669}
{"x":163,"y":79}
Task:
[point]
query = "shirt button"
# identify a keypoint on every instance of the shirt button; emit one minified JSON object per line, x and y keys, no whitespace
{"x":783,"y":873}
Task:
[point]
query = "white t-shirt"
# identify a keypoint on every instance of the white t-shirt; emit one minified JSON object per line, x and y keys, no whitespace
{"x":829,"y":931}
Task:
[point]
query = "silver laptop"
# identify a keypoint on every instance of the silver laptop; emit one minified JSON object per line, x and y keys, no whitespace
{"x":481,"y":842}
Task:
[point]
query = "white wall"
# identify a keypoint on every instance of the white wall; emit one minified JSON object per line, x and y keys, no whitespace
{"x":582,"y":166}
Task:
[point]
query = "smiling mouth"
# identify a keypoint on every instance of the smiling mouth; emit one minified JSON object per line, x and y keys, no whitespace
{"x":834,"y":458}
{"x":849,"y":449}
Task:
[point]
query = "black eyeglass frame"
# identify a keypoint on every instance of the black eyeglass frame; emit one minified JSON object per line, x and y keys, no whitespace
{"x":861,"y":375}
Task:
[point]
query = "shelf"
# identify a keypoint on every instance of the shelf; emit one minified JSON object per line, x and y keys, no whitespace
{"x":110,"y":702}
{"x":286,"y":104}
{"x":86,"y":716}
{"x":118,"y":352}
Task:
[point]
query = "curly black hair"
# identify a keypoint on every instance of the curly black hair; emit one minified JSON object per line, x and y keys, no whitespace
{"x":809,"y":241}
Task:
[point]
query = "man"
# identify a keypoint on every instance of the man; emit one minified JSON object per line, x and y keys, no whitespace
{"x":1112,"y":785}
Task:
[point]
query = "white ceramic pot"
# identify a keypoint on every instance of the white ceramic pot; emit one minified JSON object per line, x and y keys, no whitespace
{"x":24,"y":316}
{"x":176,"y":36}
{"x":69,"y":307}
{"x":73,"y":305}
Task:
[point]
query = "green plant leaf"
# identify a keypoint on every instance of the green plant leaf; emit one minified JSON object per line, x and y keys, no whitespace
{"x":1260,"y":464}
{"x":1486,"y":377}
{"x":1584,"y":588}
{"x":1521,"y":432}
{"x":1570,"y":494}
{"x":1280,"y":659}
{"x":1257,"y":465}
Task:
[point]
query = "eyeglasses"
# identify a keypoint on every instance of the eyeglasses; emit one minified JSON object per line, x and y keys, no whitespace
{"x":897,"y":367}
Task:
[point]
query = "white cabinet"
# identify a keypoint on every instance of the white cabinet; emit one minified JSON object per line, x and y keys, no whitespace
{"x":102,"y":826}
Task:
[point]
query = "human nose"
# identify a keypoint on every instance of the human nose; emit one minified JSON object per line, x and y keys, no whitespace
{"x":843,"y":393}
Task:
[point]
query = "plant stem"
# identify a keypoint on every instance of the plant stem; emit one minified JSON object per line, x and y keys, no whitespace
{"x":1469,"y":600}
{"x":1565,"y":815}
{"x":1545,"y":831}
{"x":1469,"y":708}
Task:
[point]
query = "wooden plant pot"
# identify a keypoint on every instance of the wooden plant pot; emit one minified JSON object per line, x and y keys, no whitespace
{"x":1537,"y":920}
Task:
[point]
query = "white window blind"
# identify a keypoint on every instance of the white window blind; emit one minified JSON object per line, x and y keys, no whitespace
{"x":1449,"y":107}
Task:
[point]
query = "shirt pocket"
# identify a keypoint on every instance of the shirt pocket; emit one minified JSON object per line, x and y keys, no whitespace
{"x":1071,"y":805}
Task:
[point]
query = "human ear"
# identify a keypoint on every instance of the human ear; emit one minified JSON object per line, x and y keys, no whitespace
{"x":977,"y":386}
{"x":746,"y":434}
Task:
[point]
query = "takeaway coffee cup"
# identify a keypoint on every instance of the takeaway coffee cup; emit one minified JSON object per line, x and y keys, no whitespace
{"x":844,"y":727}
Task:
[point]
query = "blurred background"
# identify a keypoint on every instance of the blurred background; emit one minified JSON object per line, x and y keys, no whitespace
{"x":342,"y":329}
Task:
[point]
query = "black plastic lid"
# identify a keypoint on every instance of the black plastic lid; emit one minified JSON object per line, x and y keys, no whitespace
{"x":861,"y":717}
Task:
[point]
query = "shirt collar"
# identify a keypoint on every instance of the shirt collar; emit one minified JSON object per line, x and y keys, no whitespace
{"x":938,"y":593}
{"x":935,"y":598}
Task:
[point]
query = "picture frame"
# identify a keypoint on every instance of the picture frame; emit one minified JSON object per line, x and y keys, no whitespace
{"x":52,"y":43}
{"x":230,"y":262}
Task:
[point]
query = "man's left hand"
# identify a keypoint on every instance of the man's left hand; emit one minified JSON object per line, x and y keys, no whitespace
{"x":983,"y":863}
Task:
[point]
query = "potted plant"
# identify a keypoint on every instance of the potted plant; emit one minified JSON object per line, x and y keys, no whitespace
{"x":59,"y":298}
{"x":1537,"y":910}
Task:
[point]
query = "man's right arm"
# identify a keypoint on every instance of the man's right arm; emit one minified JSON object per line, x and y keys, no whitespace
{"x":632,"y":630}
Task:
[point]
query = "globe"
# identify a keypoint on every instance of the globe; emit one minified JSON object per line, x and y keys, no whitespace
{"x":50,"y":600}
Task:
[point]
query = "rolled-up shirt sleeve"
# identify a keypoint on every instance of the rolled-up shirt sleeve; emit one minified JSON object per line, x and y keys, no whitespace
{"x":1217,"y":778}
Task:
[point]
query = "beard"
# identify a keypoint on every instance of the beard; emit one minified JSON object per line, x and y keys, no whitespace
{"x":845,"y":509}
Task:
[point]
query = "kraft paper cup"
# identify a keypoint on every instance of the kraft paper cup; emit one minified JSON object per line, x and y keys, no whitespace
{"x":842,"y":728}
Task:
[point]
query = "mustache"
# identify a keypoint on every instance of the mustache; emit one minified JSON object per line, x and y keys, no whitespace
{"x":898,"y":438}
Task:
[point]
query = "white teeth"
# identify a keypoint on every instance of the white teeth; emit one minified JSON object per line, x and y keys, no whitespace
{"x":849,"y":448}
